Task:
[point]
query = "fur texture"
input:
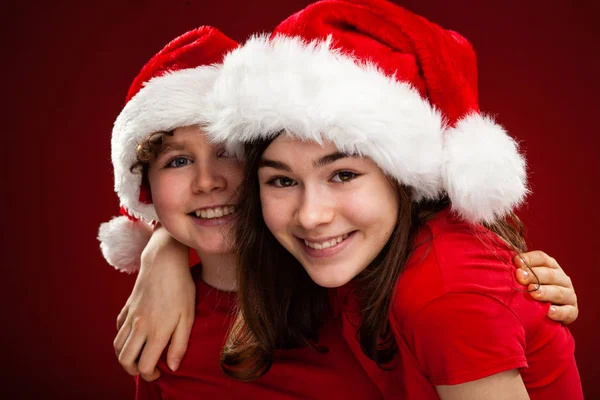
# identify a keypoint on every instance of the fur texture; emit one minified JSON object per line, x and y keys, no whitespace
{"x":483,"y":172}
{"x":316,"y":93}
{"x":122,"y":241}
{"x":163,"y":104}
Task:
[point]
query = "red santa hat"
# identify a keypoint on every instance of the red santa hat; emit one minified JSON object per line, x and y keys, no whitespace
{"x":167,"y":93}
{"x":378,"y":81}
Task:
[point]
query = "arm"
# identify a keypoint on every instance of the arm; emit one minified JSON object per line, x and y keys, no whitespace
{"x":506,"y":385}
{"x":555,"y":286}
{"x":160,"y":308}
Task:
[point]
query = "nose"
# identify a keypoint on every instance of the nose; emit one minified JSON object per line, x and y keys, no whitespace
{"x":315,"y":209}
{"x":207,"y":178}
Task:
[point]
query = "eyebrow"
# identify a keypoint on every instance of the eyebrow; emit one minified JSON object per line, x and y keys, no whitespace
{"x":329,"y":158}
{"x":171,"y":146}
{"x":266,"y":163}
{"x":321,"y":162}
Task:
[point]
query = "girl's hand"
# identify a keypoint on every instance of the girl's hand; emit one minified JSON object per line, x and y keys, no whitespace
{"x":555,"y":286}
{"x":160,"y":308}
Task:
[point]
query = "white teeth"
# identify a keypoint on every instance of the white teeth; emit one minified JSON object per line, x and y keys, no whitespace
{"x":218,"y":212}
{"x":327,"y":244}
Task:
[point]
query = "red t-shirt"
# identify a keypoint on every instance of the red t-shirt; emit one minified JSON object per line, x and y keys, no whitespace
{"x":297,"y":373}
{"x":459,"y":315}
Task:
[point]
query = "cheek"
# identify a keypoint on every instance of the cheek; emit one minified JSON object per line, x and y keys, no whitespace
{"x":373,"y":208}
{"x":167,"y":194}
{"x":234,"y":174}
{"x":276,"y":211}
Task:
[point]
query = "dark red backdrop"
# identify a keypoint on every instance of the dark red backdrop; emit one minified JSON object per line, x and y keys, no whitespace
{"x":66,"y":71}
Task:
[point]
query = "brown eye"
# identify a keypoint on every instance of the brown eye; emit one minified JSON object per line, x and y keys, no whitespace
{"x":282,"y":182}
{"x":343,"y":176}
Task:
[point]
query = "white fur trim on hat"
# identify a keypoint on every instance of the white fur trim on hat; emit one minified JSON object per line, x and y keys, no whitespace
{"x":483,"y":172}
{"x":316,"y":93}
{"x":122,"y":241}
{"x":166,"y":102}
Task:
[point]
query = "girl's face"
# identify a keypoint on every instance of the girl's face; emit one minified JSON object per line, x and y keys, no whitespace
{"x":334,"y":212}
{"x":193,"y":185}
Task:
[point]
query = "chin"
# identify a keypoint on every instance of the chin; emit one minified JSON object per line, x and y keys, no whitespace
{"x":331,"y":280}
{"x":213,"y":249}
{"x":206,"y":245}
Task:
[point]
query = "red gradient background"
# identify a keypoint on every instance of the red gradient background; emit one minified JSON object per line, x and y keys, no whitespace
{"x":66,"y":71}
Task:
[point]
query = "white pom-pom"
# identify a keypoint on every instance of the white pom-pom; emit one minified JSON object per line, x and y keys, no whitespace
{"x":483,"y":172}
{"x":122,"y":242}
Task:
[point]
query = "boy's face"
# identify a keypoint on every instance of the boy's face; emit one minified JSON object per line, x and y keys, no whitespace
{"x":194,"y":190}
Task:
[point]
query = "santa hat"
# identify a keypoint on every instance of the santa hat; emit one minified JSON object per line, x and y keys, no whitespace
{"x":378,"y":81}
{"x":168,"y":93}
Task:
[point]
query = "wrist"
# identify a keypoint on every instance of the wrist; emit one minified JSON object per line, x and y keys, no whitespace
{"x":163,"y":249}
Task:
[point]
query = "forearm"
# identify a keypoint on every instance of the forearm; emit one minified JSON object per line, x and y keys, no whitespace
{"x":163,"y":250}
{"x":160,"y":309}
{"x":507,"y":385}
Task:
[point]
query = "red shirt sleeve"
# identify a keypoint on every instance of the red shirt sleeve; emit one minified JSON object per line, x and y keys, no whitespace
{"x":462,"y":337}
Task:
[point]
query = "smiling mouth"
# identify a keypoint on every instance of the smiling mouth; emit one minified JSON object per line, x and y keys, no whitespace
{"x":327,"y":244}
{"x":213,"y":213}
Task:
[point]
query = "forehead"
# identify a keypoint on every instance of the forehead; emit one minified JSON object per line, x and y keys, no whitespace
{"x":286,"y":144}
{"x":187,"y":136}
{"x":288,"y":152}
{"x":185,"y":132}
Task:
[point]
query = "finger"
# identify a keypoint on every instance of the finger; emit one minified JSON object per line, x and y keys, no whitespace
{"x":131,"y":351}
{"x":564,"y":314}
{"x":523,"y":276}
{"x":121,"y":337}
{"x":179,"y":343}
{"x":149,"y":357}
{"x":122,"y":317}
{"x":554,"y":294}
{"x":535,"y":259}
{"x":544,"y":276}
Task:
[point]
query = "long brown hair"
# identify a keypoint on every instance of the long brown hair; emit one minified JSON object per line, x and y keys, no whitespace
{"x":280,"y":306}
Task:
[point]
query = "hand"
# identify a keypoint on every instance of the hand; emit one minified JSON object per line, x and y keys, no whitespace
{"x":160,"y":308}
{"x":555,"y":286}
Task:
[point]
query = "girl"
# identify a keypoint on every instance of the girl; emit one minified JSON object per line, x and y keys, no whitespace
{"x":167,"y":171}
{"x":158,"y":298}
{"x":378,"y":174}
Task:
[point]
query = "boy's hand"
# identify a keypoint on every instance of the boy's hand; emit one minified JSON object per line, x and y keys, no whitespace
{"x":160,"y":308}
{"x":555,"y":285}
